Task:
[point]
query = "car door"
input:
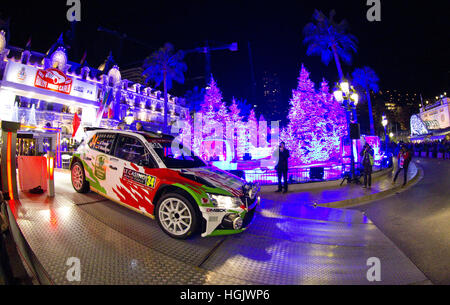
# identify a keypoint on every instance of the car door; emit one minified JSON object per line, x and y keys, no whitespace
{"x":132,"y":184}
{"x":97,"y":159}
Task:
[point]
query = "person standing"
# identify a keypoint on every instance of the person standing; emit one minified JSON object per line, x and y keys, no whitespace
{"x":282,"y":167}
{"x":139,"y":126}
{"x":404,"y":158}
{"x":367,"y":163}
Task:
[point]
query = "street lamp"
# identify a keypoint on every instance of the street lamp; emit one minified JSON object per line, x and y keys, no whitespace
{"x":384,"y":122}
{"x":347,"y":96}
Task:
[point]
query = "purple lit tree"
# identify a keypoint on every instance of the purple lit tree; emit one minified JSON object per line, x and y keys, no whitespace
{"x":187,"y":131}
{"x":315,"y":123}
{"x":252,"y":135}
{"x":234,"y":129}
{"x":215,"y":115}
{"x":335,"y":120}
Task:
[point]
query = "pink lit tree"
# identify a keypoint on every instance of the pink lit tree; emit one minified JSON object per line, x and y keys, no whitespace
{"x":235,"y":129}
{"x":252,"y":127}
{"x":335,"y":120}
{"x":315,"y":123}
{"x":215,"y":115}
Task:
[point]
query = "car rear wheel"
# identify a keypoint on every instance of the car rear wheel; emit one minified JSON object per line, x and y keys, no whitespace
{"x":79,"y":182}
{"x":176,"y":216}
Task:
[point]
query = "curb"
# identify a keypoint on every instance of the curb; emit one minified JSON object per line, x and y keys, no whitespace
{"x":353,"y":202}
{"x":319,"y":185}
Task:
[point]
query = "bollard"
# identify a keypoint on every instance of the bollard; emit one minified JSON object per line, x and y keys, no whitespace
{"x":51,"y":174}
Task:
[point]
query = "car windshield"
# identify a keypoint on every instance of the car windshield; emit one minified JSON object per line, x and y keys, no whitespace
{"x":175,"y":156}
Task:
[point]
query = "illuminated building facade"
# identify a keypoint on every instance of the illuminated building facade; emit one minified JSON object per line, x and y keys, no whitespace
{"x":433,"y":121}
{"x":44,"y":91}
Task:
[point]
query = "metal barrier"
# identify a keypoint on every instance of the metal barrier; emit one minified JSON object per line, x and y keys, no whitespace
{"x":11,"y":205}
{"x":298,"y":175}
{"x":295,"y":175}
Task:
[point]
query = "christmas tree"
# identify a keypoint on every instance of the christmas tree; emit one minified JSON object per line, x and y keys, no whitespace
{"x":315,"y":123}
{"x":215,"y":115}
{"x":235,"y":126}
{"x":335,"y":120}
{"x":252,"y":126}
{"x":187,"y":131}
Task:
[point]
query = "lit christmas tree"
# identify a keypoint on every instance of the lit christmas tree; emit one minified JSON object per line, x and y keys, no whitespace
{"x":215,"y":116}
{"x":335,"y":120}
{"x":187,"y":131}
{"x":252,"y":126}
{"x":234,"y":129}
{"x":235,"y":112}
{"x":315,"y":124}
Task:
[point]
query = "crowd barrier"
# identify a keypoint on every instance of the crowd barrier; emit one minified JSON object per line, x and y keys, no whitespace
{"x":32,"y":172}
{"x":432,"y":154}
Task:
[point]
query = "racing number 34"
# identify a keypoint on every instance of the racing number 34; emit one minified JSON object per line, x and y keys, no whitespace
{"x":151,"y":181}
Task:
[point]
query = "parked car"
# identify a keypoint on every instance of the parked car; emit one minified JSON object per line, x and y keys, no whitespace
{"x":154,"y":175}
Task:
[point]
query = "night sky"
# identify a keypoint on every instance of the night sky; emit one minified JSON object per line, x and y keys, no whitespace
{"x":409,"y":49}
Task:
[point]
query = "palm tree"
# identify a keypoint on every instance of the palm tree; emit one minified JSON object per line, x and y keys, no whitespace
{"x":165,"y":66}
{"x":327,"y":38}
{"x":367,"y":80}
{"x":194,"y":98}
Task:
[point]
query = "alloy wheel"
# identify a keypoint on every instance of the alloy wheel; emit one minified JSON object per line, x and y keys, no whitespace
{"x":175,"y":216}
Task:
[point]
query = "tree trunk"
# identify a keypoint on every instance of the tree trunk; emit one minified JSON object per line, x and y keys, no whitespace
{"x":338,"y":62}
{"x":166,"y":106}
{"x":369,"y":103}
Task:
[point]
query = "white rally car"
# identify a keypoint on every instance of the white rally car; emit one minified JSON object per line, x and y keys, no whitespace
{"x":143,"y":171}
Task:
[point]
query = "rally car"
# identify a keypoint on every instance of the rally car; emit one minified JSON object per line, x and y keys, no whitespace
{"x":154,"y":175}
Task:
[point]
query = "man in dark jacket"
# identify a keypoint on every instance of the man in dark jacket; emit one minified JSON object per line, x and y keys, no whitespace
{"x":404,"y":158}
{"x":282,"y":167}
{"x":367,"y":163}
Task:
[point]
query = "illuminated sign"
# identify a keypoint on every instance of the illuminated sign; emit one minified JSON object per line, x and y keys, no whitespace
{"x":50,"y":79}
{"x":53,"y":79}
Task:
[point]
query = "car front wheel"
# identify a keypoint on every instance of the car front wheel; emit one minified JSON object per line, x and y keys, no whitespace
{"x":176,"y":216}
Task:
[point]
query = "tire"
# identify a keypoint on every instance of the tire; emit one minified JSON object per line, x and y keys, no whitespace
{"x":177,"y":216}
{"x":78,"y":178}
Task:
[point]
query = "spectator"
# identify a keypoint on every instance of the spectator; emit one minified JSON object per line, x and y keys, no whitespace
{"x":404,"y":158}
{"x":367,"y":163}
{"x":282,"y":167}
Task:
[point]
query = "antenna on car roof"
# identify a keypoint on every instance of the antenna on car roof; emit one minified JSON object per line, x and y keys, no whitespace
{"x":93,"y":128}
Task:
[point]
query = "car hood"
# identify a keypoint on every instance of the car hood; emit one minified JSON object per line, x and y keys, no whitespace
{"x":218,"y":178}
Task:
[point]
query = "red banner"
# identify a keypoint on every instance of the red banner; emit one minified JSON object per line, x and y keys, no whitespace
{"x":54,"y":80}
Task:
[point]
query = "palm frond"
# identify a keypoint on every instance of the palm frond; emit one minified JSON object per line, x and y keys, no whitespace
{"x":324,"y":33}
{"x":165,"y":60}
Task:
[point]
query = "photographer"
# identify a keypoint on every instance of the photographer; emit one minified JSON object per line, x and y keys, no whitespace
{"x":367,"y":163}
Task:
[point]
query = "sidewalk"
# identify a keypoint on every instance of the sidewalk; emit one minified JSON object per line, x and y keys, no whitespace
{"x":336,"y":196}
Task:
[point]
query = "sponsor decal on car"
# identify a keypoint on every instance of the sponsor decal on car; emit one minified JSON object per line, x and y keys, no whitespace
{"x":100,"y":168}
{"x":140,"y":178}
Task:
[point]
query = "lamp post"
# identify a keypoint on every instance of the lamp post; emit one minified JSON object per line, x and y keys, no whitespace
{"x":346,"y":95}
{"x":384,"y":122}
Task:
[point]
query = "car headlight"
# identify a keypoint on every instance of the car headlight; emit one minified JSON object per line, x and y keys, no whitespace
{"x":226,"y":202}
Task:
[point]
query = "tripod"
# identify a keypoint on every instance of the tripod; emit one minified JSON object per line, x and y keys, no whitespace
{"x":347,"y":176}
